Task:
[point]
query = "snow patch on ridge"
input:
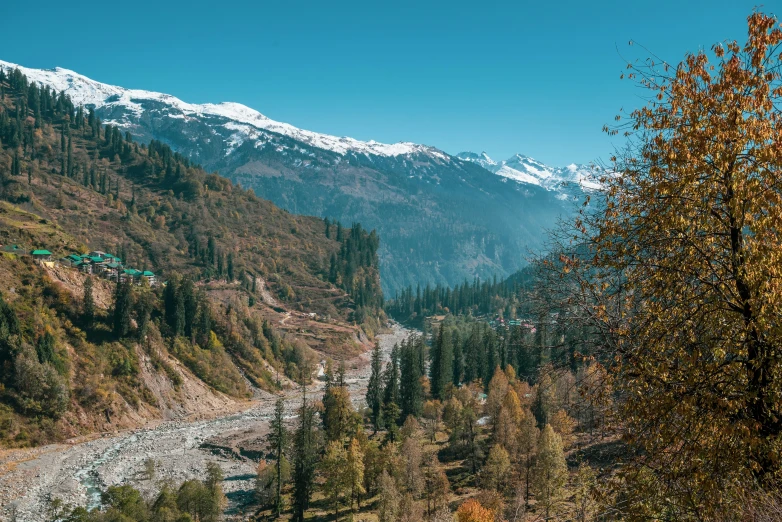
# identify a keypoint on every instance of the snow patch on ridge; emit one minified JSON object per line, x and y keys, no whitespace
{"x":529,"y":170}
{"x":85,"y":91}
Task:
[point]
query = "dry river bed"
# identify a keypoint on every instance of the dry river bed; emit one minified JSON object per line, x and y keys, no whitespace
{"x":76,"y":473}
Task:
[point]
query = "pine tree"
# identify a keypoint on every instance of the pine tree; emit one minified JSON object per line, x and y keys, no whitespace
{"x":144,"y":306}
{"x":441,"y":369}
{"x":190,"y":301}
{"x":410,"y":390}
{"x":230,"y":268}
{"x":278,"y":440}
{"x":204,"y":324}
{"x":391,"y":409}
{"x":123,"y":301}
{"x":305,"y":453}
{"x":88,"y":303}
{"x":180,"y":313}
{"x":374,"y":387}
{"x":458,"y":360}
{"x":474,"y":354}
{"x":45,"y":348}
{"x":69,"y":171}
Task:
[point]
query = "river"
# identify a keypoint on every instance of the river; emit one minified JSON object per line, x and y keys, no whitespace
{"x":77,"y":473}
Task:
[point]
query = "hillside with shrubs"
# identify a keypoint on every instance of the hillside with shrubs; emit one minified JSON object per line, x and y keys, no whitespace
{"x":79,"y":352}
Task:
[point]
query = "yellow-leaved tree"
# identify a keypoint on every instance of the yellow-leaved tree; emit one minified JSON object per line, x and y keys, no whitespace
{"x":690,"y":234}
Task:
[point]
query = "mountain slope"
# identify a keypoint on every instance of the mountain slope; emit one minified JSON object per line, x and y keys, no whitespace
{"x":252,"y":293}
{"x":441,"y":219}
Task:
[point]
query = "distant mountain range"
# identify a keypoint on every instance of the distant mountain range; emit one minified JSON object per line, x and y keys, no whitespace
{"x":565,"y":181}
{"x":441,"y":218}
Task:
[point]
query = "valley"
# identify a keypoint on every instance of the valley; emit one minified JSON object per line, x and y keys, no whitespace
{"x":207,"y":314}
{"x":76,"y":471}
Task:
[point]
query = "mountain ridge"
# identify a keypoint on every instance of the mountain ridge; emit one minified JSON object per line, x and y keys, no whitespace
{"x":525,"y":169}
{"x":441,"y":219}
{"x":86,"y":91}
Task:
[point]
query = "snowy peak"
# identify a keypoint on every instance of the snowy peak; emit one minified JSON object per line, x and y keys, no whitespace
{"x":524,"y":169}
{"x":242,"y":120}
{"x":481,"y":159}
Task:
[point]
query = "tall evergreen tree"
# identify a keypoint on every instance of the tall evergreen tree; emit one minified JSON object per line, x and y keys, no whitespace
{"x":441,"y":368}
{"x":305,"y":454}
{"x":123,"y":301}
{"x":230,"y":267}
{"x":88,"y":303}
{"x":374,"y":387}
{"x":391,"y":378}
{"x":278,"y":441}
{"x":458,"y":360}
{"x":410,"y":389}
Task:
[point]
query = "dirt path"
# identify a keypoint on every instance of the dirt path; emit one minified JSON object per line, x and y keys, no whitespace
{"x":76,"y":473}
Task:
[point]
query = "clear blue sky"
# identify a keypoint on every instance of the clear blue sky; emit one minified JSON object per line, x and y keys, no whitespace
{"x":539,"y":78}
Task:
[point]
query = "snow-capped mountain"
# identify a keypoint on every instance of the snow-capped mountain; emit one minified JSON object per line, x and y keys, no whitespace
{"x":563,"y":180}
{"x":241,"y":119}
{"x":441,"y":218}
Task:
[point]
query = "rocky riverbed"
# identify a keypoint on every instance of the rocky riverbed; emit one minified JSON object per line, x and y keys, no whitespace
{"x":76,"y":473}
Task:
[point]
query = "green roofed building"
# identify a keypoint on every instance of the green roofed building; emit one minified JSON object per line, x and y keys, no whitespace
{"x":41,"y":255}
{"x":150,"y":277}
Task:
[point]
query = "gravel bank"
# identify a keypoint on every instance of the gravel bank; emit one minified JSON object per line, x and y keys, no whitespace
{"x":76,"y":473}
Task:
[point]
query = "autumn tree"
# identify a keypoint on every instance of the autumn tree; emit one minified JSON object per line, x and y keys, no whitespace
{"x":686,"y":254}
{"x":472,"y":511}
{"x":498,"y":387}
{"x":527,"y":449}
{"x":494,"y":474}
{"x":585,"y":505}
{"x":509,"y":423}
{"x":338,"y":413}
{"x":389,"y":498}
{"x":431,"y":416}
{"x":332,"y":466}
{"x":412,"y":457}
{"x":354,"y":472}
{"x":436,"y":486}
{"x":550,"y":473}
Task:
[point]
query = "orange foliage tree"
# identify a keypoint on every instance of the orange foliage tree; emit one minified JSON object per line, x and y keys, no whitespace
{"x":472,"y":511}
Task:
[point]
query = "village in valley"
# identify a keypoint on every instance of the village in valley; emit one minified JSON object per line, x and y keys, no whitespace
{"x":96,"y":262}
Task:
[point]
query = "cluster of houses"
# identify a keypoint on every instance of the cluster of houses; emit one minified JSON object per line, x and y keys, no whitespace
{"x":501,"y":323}
{"x":109,"y":267}
{"x":96,"y":262}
